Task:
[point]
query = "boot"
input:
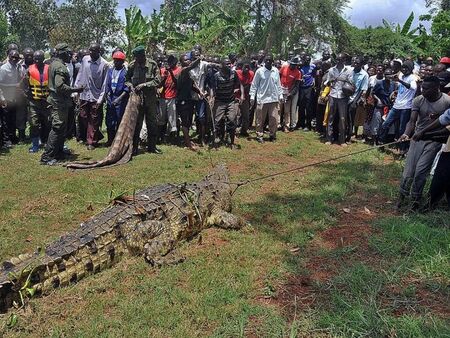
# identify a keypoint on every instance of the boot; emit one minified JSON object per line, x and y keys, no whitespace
{"x":151,"y":148}
{"x":111,"y":134}
{"x":161,"y":134}
{"x":400,"y":201}
{"x":22,"y":137}
{"x":34,"y":145}
{"x":173,"y":138}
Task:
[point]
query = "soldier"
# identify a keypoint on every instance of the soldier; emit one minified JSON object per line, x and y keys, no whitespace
{"x":144,"y":77}
{"x":36,"y":87}
{"x":59,"y":100}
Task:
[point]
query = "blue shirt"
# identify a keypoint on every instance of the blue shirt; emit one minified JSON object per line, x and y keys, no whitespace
{"x":92,"y":75}
{"x":361,"y":82}
{"x":308,"y":75}
{"x":444,"y":119}
{"x":383,"y":92}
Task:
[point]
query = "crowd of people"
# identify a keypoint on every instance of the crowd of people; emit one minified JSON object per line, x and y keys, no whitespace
{"x":219,"y":99}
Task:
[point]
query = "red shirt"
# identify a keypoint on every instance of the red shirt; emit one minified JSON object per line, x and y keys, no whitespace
{"x":288,"y":76}
{"x":170,"y":87}
{"x":246,"y":81}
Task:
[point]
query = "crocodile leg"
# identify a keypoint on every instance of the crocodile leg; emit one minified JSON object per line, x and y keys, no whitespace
{"x":226,"y":220}
{"x":158,"y":252}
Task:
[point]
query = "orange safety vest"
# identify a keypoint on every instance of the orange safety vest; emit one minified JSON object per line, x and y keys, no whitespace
{"x":39,"y":90}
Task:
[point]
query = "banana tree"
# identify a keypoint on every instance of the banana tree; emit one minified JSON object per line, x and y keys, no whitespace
{"x":137,"y":28}
{"x":218,"y":30}
{"x":405,"y":29}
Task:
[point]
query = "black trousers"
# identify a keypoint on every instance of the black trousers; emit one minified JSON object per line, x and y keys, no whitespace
{"x":10,"y":113}
{"x":350,"y":120}
{"x":4,"y":137}
{"x":440,"y":185}
{"x":337,"y":117}
{"x":305,"y":106}
{"x":320,"y":115}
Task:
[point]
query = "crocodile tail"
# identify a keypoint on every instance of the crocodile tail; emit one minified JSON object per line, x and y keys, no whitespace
{"x":17,"y":277}
{"x":65,"y":261}
{"x":121,"y":149}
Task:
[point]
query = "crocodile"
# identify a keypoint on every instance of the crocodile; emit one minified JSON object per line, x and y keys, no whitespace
{"x":151,"y":223}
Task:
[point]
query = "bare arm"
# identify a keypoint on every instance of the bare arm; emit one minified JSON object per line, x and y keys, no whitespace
{"x":410,"y":126}
{"x":435,"y":127}
{"x":193,"y":64}
{"x":294,"y":89}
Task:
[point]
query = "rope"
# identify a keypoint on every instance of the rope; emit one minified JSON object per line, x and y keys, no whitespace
{"x":248,"y":181}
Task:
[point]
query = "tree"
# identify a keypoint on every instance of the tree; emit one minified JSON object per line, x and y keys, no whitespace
{"x":379,"y":43}
{"x":440,"y":29}
{"x":30,"y":20}
{"x":5,"y":36}
{"x":81,"y":22}
{"x":436,"y":5}
{"x":243,"y":26}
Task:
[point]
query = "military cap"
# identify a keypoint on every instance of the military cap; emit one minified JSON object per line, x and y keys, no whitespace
{"x":62,"y":48}
{"x":138,"y":50}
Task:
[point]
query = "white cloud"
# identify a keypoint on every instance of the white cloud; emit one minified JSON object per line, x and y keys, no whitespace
{"x":363,"y":13}
{"x":146,"y":6}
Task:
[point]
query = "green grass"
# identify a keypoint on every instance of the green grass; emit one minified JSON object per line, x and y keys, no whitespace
{"x":230,"y":285}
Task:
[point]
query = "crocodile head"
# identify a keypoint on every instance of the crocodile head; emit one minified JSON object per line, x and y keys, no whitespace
{"x":218,"y":183}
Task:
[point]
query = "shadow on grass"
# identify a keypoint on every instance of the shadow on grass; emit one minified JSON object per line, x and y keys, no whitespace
{"x":353,"y":295}
{"x":286,"y":216}
{"x":4,"y":151}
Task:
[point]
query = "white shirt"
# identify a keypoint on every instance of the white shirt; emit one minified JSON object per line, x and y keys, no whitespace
{"x":405,"y":96}
{"x":338,"y":77}
{"x":198,"y":75}
{"x":266,"y":86}
{"x":373,"y":81}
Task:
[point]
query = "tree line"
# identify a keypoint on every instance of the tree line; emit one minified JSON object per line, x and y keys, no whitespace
{"x":222,"y":26}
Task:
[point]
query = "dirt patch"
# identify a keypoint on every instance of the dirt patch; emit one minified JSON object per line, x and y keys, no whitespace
{"x":344,"y":236}
{"x":335,"y":249}
{"x":413,"y":296}
{"x":331,"y":251}
{"x":209,"y":238}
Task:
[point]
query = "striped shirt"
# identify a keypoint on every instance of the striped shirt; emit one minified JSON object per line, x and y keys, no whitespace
{"x":224,"y":86}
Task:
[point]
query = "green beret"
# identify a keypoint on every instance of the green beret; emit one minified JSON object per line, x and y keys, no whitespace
{"x":138,"y":50}
{"x":62,"y":47}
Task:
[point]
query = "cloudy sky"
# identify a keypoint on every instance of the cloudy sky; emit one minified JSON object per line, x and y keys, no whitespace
{"x":360,"y":12}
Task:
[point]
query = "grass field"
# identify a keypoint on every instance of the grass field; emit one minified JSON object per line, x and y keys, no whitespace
{"x":325,"y":253}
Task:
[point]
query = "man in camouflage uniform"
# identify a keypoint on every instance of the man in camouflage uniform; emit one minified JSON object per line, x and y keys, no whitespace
{"x":144,"y":77}
{"x":59,"y":99}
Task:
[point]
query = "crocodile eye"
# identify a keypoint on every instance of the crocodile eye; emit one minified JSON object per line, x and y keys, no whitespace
{"x":74,"y":278}
{"x":55,"y":282}
{"x":61,"y":267}
{"x":111,"y":252}
{"x":89,"y":266}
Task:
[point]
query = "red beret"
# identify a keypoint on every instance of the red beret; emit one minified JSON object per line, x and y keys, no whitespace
{"x":119,"y":55}
{"x":445,"y":60}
